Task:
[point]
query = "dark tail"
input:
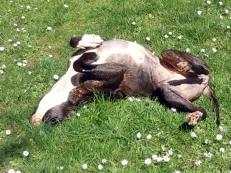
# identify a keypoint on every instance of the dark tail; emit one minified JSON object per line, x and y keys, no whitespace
{"x":209,"y":92}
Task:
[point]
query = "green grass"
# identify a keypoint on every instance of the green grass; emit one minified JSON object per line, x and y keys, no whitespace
{"x":107,"y":129}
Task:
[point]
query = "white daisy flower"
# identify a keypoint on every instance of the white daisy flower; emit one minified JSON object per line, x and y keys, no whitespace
{"x":2,"y":49}
{"x":100,"y":167}
{"x":104,"y":161}
{"x":177,"y":171}
{"x":25,"y":153}
{"x":56,"y":77}
{"x":179,"y":156}
{"x":147,"y":38}
{"x":18,"y":171}
{"x":133,"y":23}
{"x":30,"y":46}
{"x":166,"y":36}
{"x":11,"y":171}
{"x":187,"y":50}
{"x":49,"y":28}
{"x":15,"y":24}
{"x":8,"y":132}
{"x":124,"y":162}
{"x":1,"y":71}
{"x":147,"y":161}
{"x":60,"y":167}
{"x":15,"y":44}
{"x":179,"y":37}
{"x":222,"y":129}
{"x":78,"y":114}
{"x":10,"y":40}
{"x":138,"y":135}
{"x":199,"y":12}
{"x":84,"y":166}
{"x":226,"y":11}
{"x":3,"y":66}
{"x":230,"y":142}
{"x":154,"y":157}
{"x":170,"y":33}
{"x":220,"y":3}
{"x":28,"y":7}
{"x":193,"y":134}
{"x":221,"y":17}
{"x":50,"y":56}
{"x":198,"y":162}
{"x":169,"y":152}
{"x":23,"y":17}
{"x":214,"y":50}
{"x":18,"y":42}
{"x":166,"y":158}
{"x":29,"y":72}
{"x":207,"y":141}
{"x":65,"y":6}
{"x":208,"y":155}
{"x":131,"y":99}
{"x":228,"y":27}
{"x":19,"y":64}
{"x":159,"y":159}
{"x":202,"y":50}
{"x":173,"y":110}
{"x":208,"y":2}
{"x":222,"y":150}
{"x":219,"y":137}
{"x":214,"y":39}
{"x":149,"y":136}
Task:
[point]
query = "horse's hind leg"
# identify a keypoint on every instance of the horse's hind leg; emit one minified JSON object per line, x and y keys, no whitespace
{"x":168,"y":95}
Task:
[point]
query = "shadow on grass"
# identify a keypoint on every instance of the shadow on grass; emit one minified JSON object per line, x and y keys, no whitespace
{"x":11,"y":149}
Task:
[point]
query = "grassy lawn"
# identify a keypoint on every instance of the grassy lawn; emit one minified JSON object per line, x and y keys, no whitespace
{"x":107,"y":129}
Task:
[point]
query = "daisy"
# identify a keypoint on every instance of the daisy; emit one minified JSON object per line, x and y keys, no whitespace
{"x":55,"y":77}
{"x":104,"y":161}
{"x":222,"y":150}
{"x":198,"y":162}
{"x":124,"y":162}
{"x":187,"y":50}
{"x":138,"y":135}
{"x":25,"y":153}
{"x":2,"y":49}
{"x":214,"y":50}
{"x":149,"y":136}
{"x":84,"y":166}
{"x":179,"y":37}
{"x":148,"y":38}
{"x":147,"y":161}
{"x":208,"y":2}
{"x":8,"y":132}
{"x":166,"y":36}
{"x":49,"y":28}
{"x":193,"y":134}
{"x":65,"y":6}
{"x":199,"y":12}
{"x":219,"y":137}
{"x":100,"y":167}
{"x":133,"y":23}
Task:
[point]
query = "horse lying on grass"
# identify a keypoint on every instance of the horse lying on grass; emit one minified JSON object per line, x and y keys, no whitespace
{"x":121,"y":68}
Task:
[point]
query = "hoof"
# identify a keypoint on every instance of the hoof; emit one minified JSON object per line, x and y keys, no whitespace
{"x":36,"y":119}
{"x":183,"y":66}
{"x":194,"y":117}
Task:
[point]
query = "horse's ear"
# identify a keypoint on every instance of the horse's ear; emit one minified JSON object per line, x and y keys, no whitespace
{"x":75,"y":41}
